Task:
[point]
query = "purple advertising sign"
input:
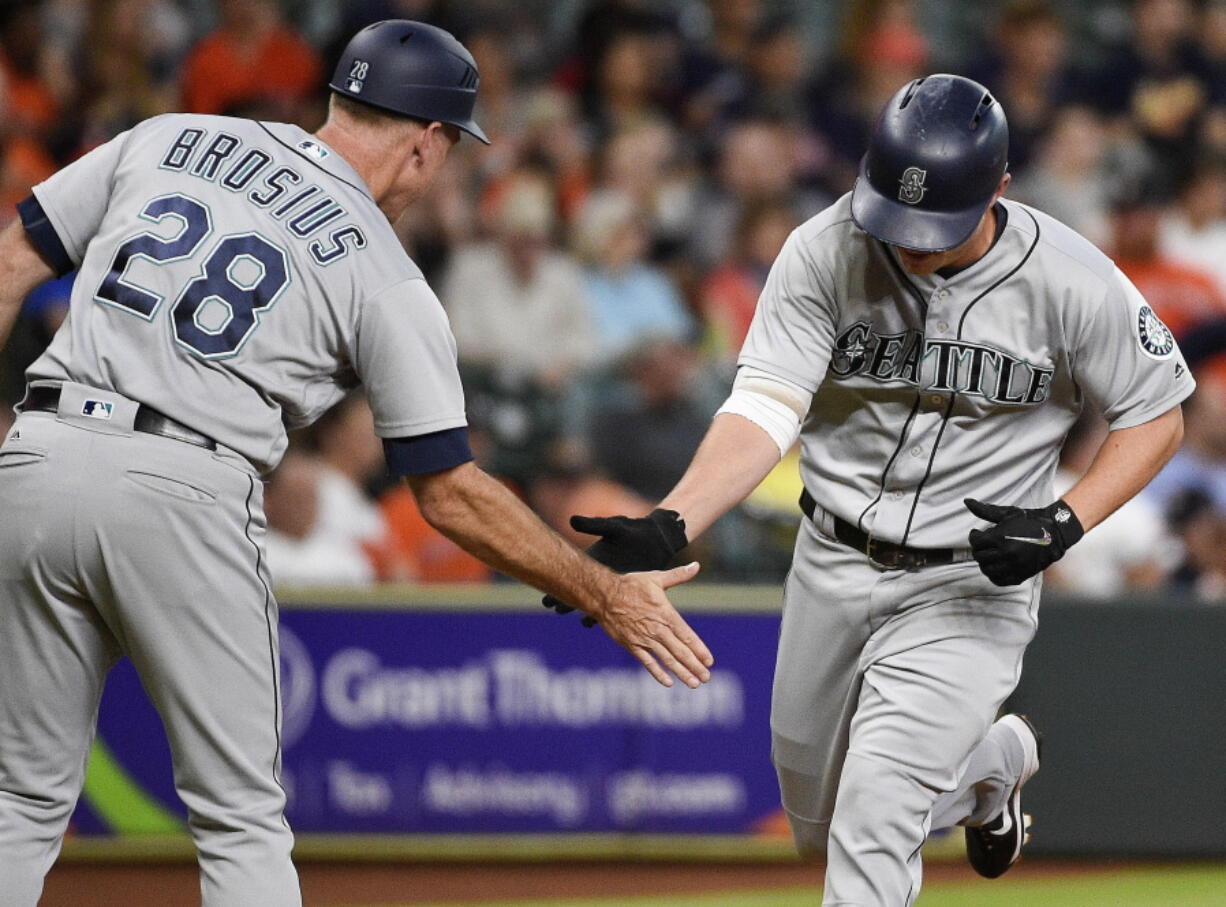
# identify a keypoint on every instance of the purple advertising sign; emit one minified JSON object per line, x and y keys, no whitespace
{"x":406,"y":722}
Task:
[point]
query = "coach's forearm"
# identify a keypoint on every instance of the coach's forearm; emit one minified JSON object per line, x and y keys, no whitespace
{"x":733,"y":459}
{"x":1126,"y":462}
{"x":21,"y":270}
{"x":484,"y":518}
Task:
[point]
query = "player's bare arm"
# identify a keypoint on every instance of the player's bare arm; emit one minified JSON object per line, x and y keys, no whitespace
{"x":733,"y":459}
{"x":1125,"y":463}
{"x":486,"y":519}
{"x":21,"y":270}
{"x":758,"y":423}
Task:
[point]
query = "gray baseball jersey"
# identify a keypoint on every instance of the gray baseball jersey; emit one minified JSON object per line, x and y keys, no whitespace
{"x":926,"y":391}
{"x":239,"y":277}
{"x":930,"y":390}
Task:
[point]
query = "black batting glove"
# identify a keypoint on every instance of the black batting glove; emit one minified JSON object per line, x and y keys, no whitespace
{"x":628,"y":545}
{"x":1023,"y":542}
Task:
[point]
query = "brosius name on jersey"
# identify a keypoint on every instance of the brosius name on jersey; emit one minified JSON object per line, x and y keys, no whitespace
{"x":938,"y":365}
{"x":299,"y":206}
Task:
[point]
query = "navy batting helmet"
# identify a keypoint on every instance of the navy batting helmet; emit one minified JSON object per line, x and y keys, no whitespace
{"x":411,"y":68}
{"x":935,"y":158}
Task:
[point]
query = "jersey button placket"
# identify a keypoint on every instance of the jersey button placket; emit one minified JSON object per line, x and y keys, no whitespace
{"x":936,"y":322}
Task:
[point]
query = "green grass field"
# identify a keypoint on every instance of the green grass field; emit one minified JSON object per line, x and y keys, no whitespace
{"x":1198,"y":886}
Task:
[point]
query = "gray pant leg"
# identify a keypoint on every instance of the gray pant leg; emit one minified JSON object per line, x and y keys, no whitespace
{"x":54,"y":653}
{"x":817,"y":680}
{"x":989,"y":779}
{"x":194,"y":610}
{"x":162,"y":539}
{"x":945,"y":652}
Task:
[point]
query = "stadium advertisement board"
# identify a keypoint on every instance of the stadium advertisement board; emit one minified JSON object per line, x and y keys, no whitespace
{"x":472,"y":722}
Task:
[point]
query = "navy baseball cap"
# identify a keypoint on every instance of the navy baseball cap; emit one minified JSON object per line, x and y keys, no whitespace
{"x":411,"y":68}
{"x":934,"y":161}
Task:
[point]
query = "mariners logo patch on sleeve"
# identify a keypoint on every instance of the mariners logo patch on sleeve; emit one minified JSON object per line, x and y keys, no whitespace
{"x":1155,"y":337}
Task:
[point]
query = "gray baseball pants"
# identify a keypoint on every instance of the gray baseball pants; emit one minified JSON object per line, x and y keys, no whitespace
{"x":115,"y":542}
{"x":886,"y":686}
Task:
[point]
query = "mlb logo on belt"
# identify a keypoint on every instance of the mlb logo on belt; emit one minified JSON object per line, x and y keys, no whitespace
{"x":97,"y":409}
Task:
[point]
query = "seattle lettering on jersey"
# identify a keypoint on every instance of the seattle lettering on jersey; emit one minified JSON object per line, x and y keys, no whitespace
{"x":303,"y":210}
{"x":939,"y":365}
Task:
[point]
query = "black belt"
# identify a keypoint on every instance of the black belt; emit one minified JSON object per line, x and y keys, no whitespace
{"x":148,"y":420}
{"x":886,"y":555}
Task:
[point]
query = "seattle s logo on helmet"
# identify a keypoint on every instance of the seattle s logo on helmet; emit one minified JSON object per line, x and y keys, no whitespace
{"x":911,"y":185}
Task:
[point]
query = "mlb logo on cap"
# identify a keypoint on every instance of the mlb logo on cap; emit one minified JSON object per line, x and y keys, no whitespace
{"x":97,"y":409}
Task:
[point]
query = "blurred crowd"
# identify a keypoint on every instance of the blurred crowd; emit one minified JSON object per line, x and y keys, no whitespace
{"x":601,"y":261}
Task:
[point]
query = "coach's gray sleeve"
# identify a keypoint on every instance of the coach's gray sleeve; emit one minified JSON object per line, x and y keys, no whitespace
{"x":792,"y":333}
{"x":405,"y":355}
{"x":1126,"y":361}
{"x":72,"y":203}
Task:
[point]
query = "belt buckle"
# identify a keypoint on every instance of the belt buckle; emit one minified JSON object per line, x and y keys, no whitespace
{"x":870,"y":549}
{"x":899,"y":558}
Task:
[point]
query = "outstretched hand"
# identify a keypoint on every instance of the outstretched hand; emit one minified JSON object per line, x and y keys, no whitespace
{"x":641,"y":619}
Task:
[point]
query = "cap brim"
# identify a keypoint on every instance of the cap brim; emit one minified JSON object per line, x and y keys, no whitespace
{"x":471,"y":127}
{"x":900,"y":224}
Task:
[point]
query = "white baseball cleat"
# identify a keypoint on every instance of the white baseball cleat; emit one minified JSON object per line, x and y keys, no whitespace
{"x":996,"y":845}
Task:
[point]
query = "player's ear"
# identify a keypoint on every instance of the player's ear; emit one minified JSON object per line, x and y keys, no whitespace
{"x":437,"y":140}
{"x":1004,"y":184}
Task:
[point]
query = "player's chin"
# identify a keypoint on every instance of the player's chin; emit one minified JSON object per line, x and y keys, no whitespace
{"x":919,"y":262}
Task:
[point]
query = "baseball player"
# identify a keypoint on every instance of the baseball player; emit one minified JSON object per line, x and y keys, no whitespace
{"x":234,"y":278}
{"x":930,"y":343}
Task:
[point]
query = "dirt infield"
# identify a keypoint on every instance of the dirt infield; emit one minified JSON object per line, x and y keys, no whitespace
{"x":333,"y":884}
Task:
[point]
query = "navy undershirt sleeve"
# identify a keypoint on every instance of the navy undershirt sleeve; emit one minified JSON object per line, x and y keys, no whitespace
{"x":42,"y":234}
{"x":434,"y":452}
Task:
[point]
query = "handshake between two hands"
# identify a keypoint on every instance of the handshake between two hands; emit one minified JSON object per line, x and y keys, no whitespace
{"x":640,"y":617}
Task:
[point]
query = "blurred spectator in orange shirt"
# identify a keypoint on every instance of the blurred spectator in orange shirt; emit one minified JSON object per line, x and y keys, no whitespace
{"x":1180,"y":295}
{"x":252,"y":58}
{"x":32,"y":105}
{"x":730,"y":293}
{"x":23,"y":162}
{"x":28,"y":106}
{"x":1194,"y":229}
